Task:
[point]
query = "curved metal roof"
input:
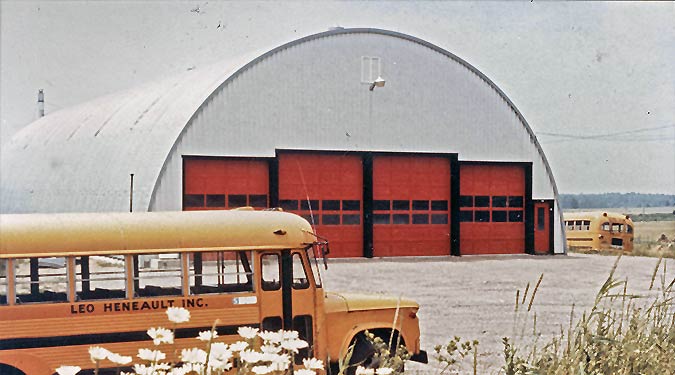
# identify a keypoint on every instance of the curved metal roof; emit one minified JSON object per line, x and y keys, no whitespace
{"x":135,"y":131}
{"x":151,"y":232}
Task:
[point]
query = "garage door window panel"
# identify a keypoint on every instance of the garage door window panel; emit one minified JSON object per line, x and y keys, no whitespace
{"x":516,"y":216}
{"x":482,"y":201}
{"x":236,"y":200}
{"x":401,"y":205}
{"x":381,"y":218}
{"x":307,"y":205}
{"x":289,"y":205}
{"x":466,"y":201}
{"x":439,"y":205}
{"x":439,"y":219}
{"x":419,"y":205}
{"x":499,"y":216}
{"x":381,"y":205}
{"x":515,"y":201}
{"x":400,"y":219}
{"x":351,"y":219}
{"x":420,"y":219}
{"x":258,"y":201}
{"x":482,"y":216}
{"x":330,"y":219}
{"x":330,"y":205}
{"x":498,"y":201}
{"x":466,"y":216}
{"x":215,"y":200}
{"x":194,"y":200}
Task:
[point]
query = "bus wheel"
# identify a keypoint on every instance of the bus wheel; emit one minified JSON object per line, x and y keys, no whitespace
{"x":9,"y":370}
{"x":363,"y":354}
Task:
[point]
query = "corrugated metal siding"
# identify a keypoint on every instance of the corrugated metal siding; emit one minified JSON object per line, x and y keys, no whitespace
{"x":80,"y":158}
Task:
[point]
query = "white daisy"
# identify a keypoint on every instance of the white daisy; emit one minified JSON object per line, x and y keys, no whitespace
{"x":294,"y":345}
{"x":119,"y":359}
{"x":304,"y":371}
{"x":247,"y":332}
{"x":364,"y":371}
{"x":178,"y":314}
{"x":160,"y":335}
{"x":238,"y":346}
{"x":193,"y":355}
{"x":97,"y":353}
{"x":384,"y":371}
{"x":150,"y":355}
{"x":68,"y":370}
{"x":261,"y":370}
{"x":207,"y":335}
{"x":312,"y":363}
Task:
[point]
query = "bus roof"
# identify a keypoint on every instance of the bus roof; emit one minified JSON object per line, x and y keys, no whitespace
{"x":592,"y":215}
{"x":150,"y":232}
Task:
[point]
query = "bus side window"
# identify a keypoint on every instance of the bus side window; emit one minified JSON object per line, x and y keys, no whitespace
{"x":605,"y":227}
{"x":578,"y":225}
{"x":220,"y":272}
{"x":629,"y":229}
{"x":300,"y":280}
{"x":3,"y":281}
{"x":570,"y":224}
{"x":587,"y":225}
{"x":158,"y":275}
{"x":271,"y":272}
{"x":100,"y":277}
{"x":41,"y":280}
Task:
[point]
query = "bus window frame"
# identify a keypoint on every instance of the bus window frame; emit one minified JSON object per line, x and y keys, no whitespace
{"x":136,"y":277}
{"x":4,"y":271}
{"x":248,"y":267}
{"x":76,"y":295}
{"x":34,"y":285}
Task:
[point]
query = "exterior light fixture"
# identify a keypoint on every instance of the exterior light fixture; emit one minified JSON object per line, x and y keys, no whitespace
{"x":379,"y":82}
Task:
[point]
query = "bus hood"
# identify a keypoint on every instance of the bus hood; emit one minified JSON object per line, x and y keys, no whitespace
{"x":362,"y":301}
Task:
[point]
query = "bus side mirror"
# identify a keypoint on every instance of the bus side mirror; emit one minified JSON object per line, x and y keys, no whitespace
{"x":325,"y":250}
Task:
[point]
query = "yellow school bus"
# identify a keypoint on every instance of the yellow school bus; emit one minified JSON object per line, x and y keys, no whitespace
{"x":69,"y":281}
{"x":599,"y":231}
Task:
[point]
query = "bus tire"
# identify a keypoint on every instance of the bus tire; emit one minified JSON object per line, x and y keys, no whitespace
{"x":363,"y":354}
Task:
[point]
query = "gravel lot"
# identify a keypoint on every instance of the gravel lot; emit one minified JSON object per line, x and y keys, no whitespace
{"x":474,"y":296}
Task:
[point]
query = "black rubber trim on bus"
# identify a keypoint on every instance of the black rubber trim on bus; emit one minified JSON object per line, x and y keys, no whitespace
{"x":108,"y":338}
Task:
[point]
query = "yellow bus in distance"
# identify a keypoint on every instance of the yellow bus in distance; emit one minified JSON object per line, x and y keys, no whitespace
{"x":599,"y":231}
{"x":70,"y":281}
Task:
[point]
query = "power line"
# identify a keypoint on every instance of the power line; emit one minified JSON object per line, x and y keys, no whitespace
{"x":576,"y":136}
{"x":616,"y":136}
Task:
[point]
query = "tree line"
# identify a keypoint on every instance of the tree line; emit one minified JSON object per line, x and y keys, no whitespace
{"x":616,"y":200}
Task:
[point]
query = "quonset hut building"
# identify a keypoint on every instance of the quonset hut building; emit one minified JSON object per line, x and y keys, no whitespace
{"x":438,"y":161}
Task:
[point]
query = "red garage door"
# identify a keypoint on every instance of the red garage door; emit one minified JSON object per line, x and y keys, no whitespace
{"x":224,"y":183}
{"x":492,"y":198}
{"x":411,"y":199}
{"x":332,"y":186}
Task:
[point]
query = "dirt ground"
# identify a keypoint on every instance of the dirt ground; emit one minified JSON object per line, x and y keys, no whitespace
{"x":474,"y":296}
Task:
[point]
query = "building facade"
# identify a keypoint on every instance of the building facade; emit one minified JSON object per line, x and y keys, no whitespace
{"x":437,"y":161}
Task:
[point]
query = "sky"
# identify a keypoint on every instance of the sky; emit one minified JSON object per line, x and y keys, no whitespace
{"x":595,"y":80}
